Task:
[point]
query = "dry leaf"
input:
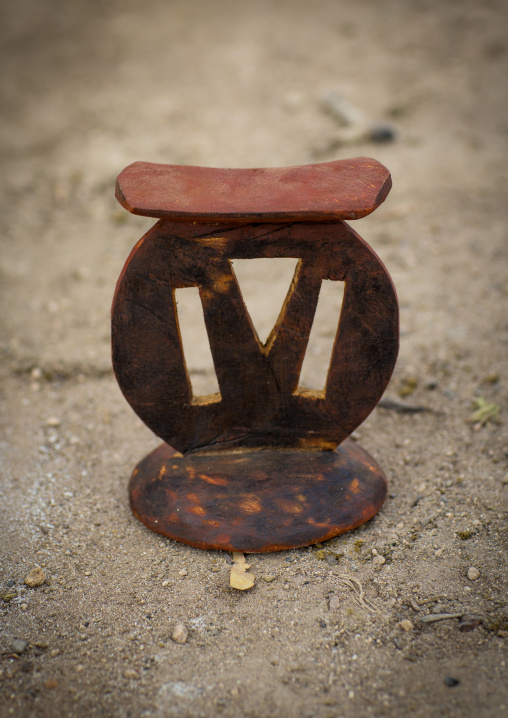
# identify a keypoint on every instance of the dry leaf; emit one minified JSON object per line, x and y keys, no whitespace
{"x":484,"y":411}
{"x":239,"y":578}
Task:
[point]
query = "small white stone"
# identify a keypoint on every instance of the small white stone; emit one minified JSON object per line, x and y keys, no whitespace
{"x":53,"y":421}
{"x":19,"y":646}
{"x":334,"y":602}
{"x":378,"y":560}
{"x":183,"y":572}
{"x":165,"y":583}
{"x":180,"y":634}
{"x":473,"y":573}
{"x":406,"y":625}
{"x":130,"y":674}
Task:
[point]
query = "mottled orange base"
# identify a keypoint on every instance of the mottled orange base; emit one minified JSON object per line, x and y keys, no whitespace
{"x":256,"y":501}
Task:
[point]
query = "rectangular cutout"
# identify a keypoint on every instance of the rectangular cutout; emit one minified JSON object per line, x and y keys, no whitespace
{"x":195,"y":345}
{"x":318,"y":354}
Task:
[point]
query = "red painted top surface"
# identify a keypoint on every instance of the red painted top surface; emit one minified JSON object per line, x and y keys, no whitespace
{"x":344,"y":189}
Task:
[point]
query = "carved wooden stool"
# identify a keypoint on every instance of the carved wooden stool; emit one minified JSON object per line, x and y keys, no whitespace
{"x":264,"y":465}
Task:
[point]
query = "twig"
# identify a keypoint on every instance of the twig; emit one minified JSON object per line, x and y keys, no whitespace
{"x":439,"y":617}
{"x":401,"y":407}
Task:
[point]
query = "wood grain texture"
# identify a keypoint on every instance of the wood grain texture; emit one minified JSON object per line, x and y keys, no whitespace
{"x":260,"y":404}
{"x":256,"y":501}
{"x":344,"y":189}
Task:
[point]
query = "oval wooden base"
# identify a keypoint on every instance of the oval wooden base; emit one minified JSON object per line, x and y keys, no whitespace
{"x":256,"y":501}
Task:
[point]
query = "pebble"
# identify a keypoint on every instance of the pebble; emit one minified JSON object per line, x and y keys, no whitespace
{"x":40,"y":643}
{"x":469,"y":623}
{"x":406,"y":625}
{"x":268,"y":577}
{"x":382,"y":133}
{"x":53,"y":421}
{"x":165,"y":583}
{"x":473,"y":573}
{"x":54,"y":652}
{"x":24,"y":606}
{"x":439,"y":608}
{"x":183,"y":572}
{"x":450,"y":681}
{"x":36,"y":577}
{"x":378,"y":560}
{"x":333,"y":603}
{"x":429,"y":519}
{"x":50,"y":684}
{"x":19,"y":646}
{"x":130,"y":674}
{"x":180,"y":634}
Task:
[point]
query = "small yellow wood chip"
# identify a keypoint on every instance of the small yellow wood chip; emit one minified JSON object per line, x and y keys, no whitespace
{"x":239,"y":578}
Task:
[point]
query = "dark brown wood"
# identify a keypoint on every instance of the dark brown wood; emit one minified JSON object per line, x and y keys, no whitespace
{"x":345,"y":189}
{"x":262,"y":435}
{"x":256,"y":501}
{"x":260,"y":403}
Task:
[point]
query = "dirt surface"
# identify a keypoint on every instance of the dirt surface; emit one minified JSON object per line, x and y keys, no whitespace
{"x":89,"y":87}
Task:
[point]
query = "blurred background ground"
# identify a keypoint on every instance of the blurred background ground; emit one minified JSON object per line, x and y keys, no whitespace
{"x":90,"y":86}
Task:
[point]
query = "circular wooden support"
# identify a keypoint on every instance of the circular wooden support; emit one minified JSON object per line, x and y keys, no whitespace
{"x":260,"y":403}
{"x":256,"y":501}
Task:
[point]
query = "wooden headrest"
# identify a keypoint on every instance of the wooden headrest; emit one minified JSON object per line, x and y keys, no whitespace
{"x":344,"y":189}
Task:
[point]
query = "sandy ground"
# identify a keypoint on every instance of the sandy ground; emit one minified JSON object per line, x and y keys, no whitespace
{"x":88,"y":87}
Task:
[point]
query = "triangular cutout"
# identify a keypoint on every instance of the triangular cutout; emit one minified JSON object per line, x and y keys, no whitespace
{"x":264,"y":283}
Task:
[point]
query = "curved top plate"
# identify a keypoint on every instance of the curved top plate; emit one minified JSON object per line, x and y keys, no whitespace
{"x":345,"y":189}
